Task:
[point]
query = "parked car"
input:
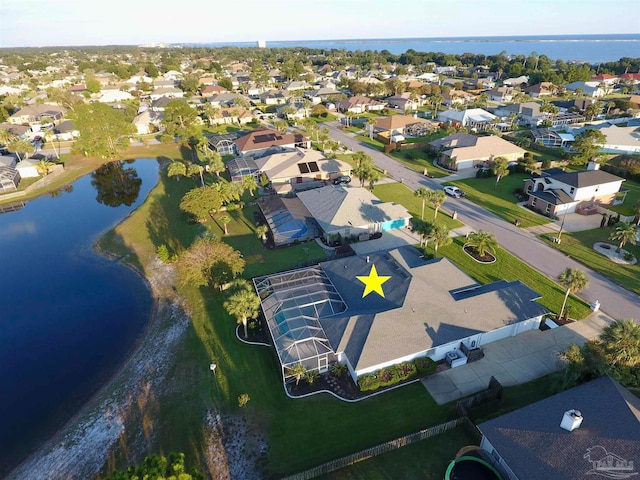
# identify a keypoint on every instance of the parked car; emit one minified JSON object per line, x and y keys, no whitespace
{"x":453,"y":191}
{"x":342,"y":179}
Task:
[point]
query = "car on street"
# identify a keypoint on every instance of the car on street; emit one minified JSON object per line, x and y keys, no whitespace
{"x":453,"y":191}
{"x":342,"y":179}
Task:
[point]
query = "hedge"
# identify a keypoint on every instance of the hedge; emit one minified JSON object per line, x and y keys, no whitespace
{"x":394,"y":374}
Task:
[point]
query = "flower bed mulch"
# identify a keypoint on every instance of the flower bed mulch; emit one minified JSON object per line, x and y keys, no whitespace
{"x":486,"y":258}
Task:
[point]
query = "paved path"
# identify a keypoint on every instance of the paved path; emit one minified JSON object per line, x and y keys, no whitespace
{"x":615,"y":300}
{"x":514,"y":360}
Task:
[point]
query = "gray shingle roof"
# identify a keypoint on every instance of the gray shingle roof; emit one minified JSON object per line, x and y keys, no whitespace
{"x":534,"y":446}
{"x":586,"y":178}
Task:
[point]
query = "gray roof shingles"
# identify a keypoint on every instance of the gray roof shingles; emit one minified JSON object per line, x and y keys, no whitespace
{"x":534,"y":446}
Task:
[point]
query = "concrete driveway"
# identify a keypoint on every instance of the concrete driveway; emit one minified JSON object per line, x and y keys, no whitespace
{"x":390,"y":239}
{"x":514,"y":360}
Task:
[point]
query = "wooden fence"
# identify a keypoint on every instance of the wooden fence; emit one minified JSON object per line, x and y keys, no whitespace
{"x":380,"y":449}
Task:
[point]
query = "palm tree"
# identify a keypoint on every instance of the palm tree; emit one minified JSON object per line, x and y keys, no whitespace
{"x":500,"y":168}
{"x":424,"y":229}
{"x":621,"y":342}
{"x":195,"y":169}
{"x":440,"y":237}
{"x":20,"y":146}
{"x":423,"y":193}
{"x":298,"y":371}
{"x":43,"y":167}
{"x":249,"y":183}
{"x":373,"y":175}
{"x":177,"y":169}
{"x":483,"y":242}
{"x":215,"y":163}
{"x":371,"y":121}
{"x":243,"y":304}
{"x":573,"y":280}
{"x":226,"y":220}
{"x":609,"y":106}
{"x":624,"y":232}
{"x":437,"y":198}
{"x":6,"y":137}
{"x":636,"y":212}
{"x":261,"y":232}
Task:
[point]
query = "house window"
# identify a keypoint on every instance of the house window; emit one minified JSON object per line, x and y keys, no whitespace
{"x":529,"y":188}
{"x":533,"y":201}
{"x":572,"y":191}
{"x":548,"y":209}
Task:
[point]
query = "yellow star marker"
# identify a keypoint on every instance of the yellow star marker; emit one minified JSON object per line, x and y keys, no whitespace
{"x":373,"y":282}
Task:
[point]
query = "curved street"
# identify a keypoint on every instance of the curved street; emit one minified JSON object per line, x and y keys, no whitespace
{"x":615,"y":301}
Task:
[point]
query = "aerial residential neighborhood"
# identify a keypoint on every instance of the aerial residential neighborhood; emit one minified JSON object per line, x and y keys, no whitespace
{"x":272,"y":260}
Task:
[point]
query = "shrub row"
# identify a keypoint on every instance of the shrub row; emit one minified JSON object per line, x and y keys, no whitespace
{"x":396,"y":373}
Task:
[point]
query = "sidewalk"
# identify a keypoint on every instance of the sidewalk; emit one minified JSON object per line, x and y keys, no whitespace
{"x":514,"y":360}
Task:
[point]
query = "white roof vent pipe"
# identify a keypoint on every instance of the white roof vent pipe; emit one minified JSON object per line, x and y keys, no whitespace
{"x":571,"y":420}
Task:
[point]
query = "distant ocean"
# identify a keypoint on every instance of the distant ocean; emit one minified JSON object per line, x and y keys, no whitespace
{"x":587,"y":48}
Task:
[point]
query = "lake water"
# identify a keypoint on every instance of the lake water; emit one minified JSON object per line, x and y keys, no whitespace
{"x":586,"y":48}
{"x":68,"y":317}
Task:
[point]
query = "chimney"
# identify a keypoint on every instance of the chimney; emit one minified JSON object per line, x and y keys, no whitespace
{"x":571,"y":420}
{"x":593,"y":165}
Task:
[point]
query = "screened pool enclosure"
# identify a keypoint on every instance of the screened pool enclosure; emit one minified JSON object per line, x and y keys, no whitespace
{"x":293,"y":302}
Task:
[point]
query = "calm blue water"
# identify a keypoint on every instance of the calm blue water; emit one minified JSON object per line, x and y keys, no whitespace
{"x":68,"y":317}
{"x":587,"y":48}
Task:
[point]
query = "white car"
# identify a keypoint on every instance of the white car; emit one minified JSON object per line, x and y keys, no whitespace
{"x":453,"y":191}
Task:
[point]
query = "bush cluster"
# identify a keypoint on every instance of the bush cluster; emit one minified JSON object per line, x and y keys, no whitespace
{"x":396,"y":373}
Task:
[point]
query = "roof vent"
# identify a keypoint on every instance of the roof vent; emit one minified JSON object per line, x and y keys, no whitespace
{"x":571,"y":420}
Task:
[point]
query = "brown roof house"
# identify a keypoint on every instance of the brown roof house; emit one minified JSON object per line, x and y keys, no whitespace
{"x":360,"y":104}
{"x":463,"y":150}
{"x":263,"y":141}
{"x":405,"y":125}
{"x":557,"y":192}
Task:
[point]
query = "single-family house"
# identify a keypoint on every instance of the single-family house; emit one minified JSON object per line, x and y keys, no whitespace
{"x":212,"y":90}
{"x":500,"y":94}
{"x":231,"y":115}
{"x":114,"y":96}
{"x":263,"y":141}
{"x":65,"y":131}
{"x":402,"y":101}
{"x":428,"y":77}
{"x":27,"y":168}
{"x":296,"y":85}
{"x":630,"y":78}
{"x":588,"y":431}
{"x":37,"y":113}
{"x":360,"y":104}
{"x":350,"y":211}
{"x":20,"y":131}
{"x":474,"y":118}
{"x":227,"y":99}
{"x":517,"y":81}
{"x":589,"y":89}
{"x":322,"y":94}
{"x":462,"y":150}
{"x":148,"y":121}
{"x":287,"y":170}
{"x":557,"y":192}
{"x":541,"y":89}
{"x":405,"y":125}
{"x":606,"y":79}
{"x":9,"y":178}
{"x":160,"y":104}
{"x":457,"y":97}
{"x":618,"y":139}
{"x":372,"y":311}
{"x":274,"y":97}
{"x":169,"y":92}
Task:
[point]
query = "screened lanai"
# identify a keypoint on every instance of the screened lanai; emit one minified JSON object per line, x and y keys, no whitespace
{"x":292,"y":303}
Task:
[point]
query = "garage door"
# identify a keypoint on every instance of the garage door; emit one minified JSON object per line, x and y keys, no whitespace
{"x":392,"y":224}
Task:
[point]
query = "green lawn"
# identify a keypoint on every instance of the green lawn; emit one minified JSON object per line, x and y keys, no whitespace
{"x":372,"y":142}
{"x":418,"y":159}
{"x":510,"y":268}
{"x":500,"y":200}
{"x":632,"y":197}
{"x":578,"y":245}
{"x":297,"y":439}
{"x":400,"y":193}
{"x":424,"y":460}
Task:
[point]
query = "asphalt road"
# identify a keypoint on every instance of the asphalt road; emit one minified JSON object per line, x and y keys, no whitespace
{"x":615,"y":301}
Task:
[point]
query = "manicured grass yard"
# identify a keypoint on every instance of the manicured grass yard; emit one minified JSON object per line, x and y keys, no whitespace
{"x":301,"y":433}
{"x":424,"y":460}
{"x":510,"y":268}
{"x":579,"y":245}
{"x":400,"y":193}
{"x":632,"y":197}
{"x":500,"y":200}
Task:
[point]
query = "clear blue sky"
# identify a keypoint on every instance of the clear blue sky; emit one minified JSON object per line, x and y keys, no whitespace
{"x":93,"y":22}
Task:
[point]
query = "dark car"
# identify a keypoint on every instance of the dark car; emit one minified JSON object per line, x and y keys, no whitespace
{"x":342,"y":179}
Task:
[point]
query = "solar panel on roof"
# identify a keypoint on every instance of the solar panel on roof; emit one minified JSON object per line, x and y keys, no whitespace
{"x":304,"y":168}
{"x":313,"y":167}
